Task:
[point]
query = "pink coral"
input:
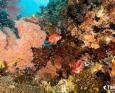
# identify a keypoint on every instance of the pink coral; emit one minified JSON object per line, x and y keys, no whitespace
{"x":77,"y":66}
{"x":31,"y":33}
{"x":18,"y":51}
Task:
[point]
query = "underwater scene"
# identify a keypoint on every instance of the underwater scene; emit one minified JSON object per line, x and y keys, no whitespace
{"x":57,"y":46}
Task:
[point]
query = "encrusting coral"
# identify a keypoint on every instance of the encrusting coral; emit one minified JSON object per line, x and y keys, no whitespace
{"x":86,"y":83}
{"x":17,"y":53}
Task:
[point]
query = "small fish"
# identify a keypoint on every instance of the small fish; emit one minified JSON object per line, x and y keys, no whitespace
{"x":54,"y":38}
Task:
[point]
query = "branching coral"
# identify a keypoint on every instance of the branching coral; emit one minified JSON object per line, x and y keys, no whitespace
{"x":17,"y":53}
{"x":86,"y":83}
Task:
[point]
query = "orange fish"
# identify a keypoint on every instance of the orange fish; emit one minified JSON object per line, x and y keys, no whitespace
{"x":54,"y":38}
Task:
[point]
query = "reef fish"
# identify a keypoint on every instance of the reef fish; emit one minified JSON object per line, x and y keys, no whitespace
{"x":54,"y":38}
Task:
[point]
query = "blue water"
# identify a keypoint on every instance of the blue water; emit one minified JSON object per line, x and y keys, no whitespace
{"x":31,"y":7}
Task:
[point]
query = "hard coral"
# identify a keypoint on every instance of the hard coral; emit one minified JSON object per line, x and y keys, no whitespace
{"x":86,"y":83}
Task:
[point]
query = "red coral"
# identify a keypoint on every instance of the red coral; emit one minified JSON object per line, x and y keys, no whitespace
{"x":77,"y":66}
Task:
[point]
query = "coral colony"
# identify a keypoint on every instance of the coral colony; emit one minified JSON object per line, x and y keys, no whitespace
{"x":57,"y":46}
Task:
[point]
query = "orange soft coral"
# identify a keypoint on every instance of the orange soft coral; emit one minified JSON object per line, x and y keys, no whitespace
{"x":31,"y":33}
{"x":18,"y":51}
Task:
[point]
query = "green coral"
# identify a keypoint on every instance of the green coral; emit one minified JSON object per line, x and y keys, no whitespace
{"x":3,"y":3}
{"x":53,"y":11}
{"x":4,"y":20}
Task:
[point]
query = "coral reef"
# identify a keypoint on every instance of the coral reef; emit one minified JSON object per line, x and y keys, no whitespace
{"x":67,"y":48}
{"x":87,"y":30}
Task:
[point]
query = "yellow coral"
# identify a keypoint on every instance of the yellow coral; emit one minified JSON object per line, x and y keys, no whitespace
{"x":11,"y":64}
{"x":66,"y":85}
{"x":47,"y":86}
{"x":2,"y":65}
{"x":100,"y":13}
{"x":96,"y":67}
